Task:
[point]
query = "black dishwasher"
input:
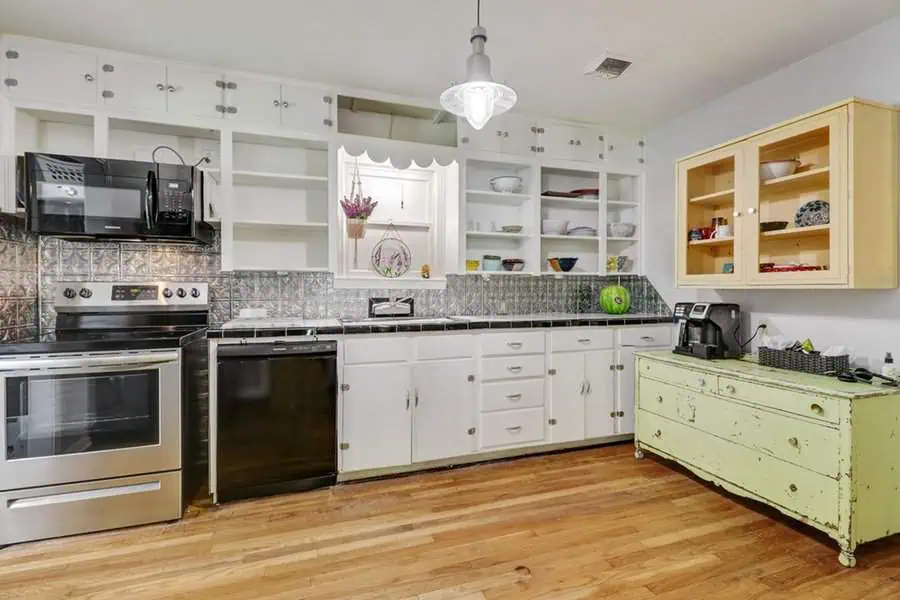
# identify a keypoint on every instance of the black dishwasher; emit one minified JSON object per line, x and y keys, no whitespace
{"x":276,"y":418}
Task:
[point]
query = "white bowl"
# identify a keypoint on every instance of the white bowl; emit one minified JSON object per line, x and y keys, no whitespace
{"x":554,"y":227}
{"x":508,"y":184}
{"x":773,"y":169}
{"x":622,"y":230}
{"x":581,"y":231}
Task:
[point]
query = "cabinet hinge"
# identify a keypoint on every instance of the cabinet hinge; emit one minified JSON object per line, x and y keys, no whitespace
{"x":464,"y":140}
{"x":108,"y":94}
{"x":231,"y":110}
{"x":641,"y":143}
{"x":600,"y":156}
{"x":621,"y":413}
{"x":231,"y":85}
{"x":328,"y":122}
{"x":551,"y":372}
{"x":12,"y":54}
{"x":220,"y":83}
{"x":641,"y":160}
{"x":220,"y":108}
{"x":10,"y":82}
{"x":345,"y":387}
{"x":552,"y":421}
{"x":344,"y":446}
{"x":600,"y":137}
{"x":613,"y":414}
{"x":620,"y":367}
{"x":470,"y":378}
{"x":612,"y":367}
{"x":327,"y":99}
{"x":108,"y":68}
{"x":471,"y":431}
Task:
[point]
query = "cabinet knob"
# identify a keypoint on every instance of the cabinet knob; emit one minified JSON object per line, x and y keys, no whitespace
{"x":506,"y":134}
{"x":88,"y":77}
{"x":817,"y":408}
{"x":794,"y":442}
{"x":12,"y":54}
{"x":610,"y":147}
{"x":108,"y":68}
{"x":577,"y":142}
{"x":471,"y":431}
{"x":499,"y":133}
{"x":231,"y":110}
{"x":621,"y":413}
{"x":571,"y":142}
{"x":171,"y":89}
{"x":327,"y":99}
{"x":108,"y":94}
{"x":600,"y":156}
{"x":736,"y":214}
{"x":10,"y":82}
{"x":751,"y":211}
{"x":328,"y":122}
{"x":231,"y":85}
{"x":276,"y":103}
{"x":220,"y":108}
{"x":160,"y":87}
{"x":552,"y":421}
{"x":465,"y":140}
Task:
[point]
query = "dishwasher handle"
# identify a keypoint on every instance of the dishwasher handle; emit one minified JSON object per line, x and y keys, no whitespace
{"x":277,"y":349}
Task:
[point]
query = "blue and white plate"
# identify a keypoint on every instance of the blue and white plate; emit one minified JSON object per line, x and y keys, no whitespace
{"x":814,"y":212}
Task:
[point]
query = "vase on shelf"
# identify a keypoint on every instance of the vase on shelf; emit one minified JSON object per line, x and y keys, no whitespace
{"x":356,"y":228}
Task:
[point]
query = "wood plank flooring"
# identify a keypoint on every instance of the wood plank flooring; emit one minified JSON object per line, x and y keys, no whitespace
{"x":586,"y":524}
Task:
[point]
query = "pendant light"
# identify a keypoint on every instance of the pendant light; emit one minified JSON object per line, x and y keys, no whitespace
{"x":479,"y":97}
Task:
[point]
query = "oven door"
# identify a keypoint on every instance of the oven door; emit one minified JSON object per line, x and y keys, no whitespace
{"x":80,"y":418}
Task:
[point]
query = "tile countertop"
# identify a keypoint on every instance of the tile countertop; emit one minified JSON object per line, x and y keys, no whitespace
{"x":748,"y":369}
{"x":249,"y":328}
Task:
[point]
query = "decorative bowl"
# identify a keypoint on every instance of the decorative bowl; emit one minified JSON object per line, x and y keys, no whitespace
{"x":507,"y":184}
{"x":814,"y":212}
{"x":567,"y":264}
{"x":472,"y":265}
{"x":554,"y":227}
{"x":581,"y":231}
{"x":773,"y":169}
{"x":772,"y":225}
{"x":623,"y":230}
{"x":513,"y":264}
{"x":511,"y":229}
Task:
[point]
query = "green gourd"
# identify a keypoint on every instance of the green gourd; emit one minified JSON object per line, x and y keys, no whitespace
{"x":615,"y":300}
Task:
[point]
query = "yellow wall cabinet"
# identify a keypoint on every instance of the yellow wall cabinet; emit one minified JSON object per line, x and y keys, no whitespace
{"x":777,"y":234}
{"x":820,"y":451}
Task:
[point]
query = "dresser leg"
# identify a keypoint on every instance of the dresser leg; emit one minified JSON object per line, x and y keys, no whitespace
{"x":638,"y":453}
{"x":847,"y":558}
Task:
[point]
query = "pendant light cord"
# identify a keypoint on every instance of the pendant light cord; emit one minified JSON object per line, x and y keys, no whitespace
{"x":478,"y":13}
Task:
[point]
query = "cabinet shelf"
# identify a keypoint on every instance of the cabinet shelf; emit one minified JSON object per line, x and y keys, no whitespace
{"x":401,"y":224}
{"x":814,"y":178}
{"x":622,"y":203}
{"x":582,"y":203}
{"x":497,"y":235}
{"x":252,"y":223}
{"x":279,"y":180}
{"x":573,"y":238}
{"x":498,"y":197}
{"x":622,"y":239}
{"x":723,"y":241}
{"x":714,"y":199}
{"x":797,"y":232}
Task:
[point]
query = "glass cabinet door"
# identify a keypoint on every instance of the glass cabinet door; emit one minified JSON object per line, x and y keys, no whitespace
{"x":798,"y":203}
{"x":709,"y":237}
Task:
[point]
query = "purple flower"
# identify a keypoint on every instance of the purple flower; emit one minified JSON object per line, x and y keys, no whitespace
{"x":358,"y":207}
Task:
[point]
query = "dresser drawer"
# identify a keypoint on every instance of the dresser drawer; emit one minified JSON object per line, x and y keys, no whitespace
{"x":512,"y":367}
{"x":815,"y":407}
{"x":808,"y":445}
{"x":805,"y":493}
{"x":567,"y":340}
{"x":657,"y":335}
{"x":512,"y":343}
{"x":508,"y":395}
{"x":695,"y":380}
{"x":436,"y":347}
{"x":512,"y":428}
{"x":391,"y":348}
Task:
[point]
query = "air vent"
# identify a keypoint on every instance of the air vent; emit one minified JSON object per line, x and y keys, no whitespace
{"x":608,"y":66}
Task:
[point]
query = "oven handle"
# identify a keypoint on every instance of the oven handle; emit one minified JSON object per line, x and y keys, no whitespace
{"x":87,"y":362}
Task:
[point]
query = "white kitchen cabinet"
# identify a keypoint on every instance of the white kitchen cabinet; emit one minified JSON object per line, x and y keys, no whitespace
{"x":443,"y":409}
{"x":133,"y":83}
{"x":195,"y":91}
{"x":376,"y":417}
{"x":570,"y":142}
{"x":568,"y":385}
{"x":40,"y":71}
{"x":622,"y":151}
{"x":253,"y":100}
{"x":307,"y":109}
{"x":600,"y":394}
{"x":507,"y":133}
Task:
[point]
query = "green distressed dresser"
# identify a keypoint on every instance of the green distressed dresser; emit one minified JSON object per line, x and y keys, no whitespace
{"x":824,"y":452}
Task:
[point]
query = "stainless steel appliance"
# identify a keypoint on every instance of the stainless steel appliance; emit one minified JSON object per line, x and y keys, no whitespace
{"x":94,"y":412}
{"x":275,"y":419}
{"x":79,"y":196}
{"x":708,"y":330}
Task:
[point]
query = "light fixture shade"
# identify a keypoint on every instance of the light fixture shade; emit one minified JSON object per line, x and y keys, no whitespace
{"x":479,"y":97}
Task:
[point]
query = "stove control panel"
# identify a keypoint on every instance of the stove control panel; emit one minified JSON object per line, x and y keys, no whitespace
{"x":81,"y":296}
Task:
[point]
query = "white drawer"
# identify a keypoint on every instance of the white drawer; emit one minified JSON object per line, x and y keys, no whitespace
{"x":445,"y":346}
{"x":508,"y":395}
{"x":567,"y":340}
{"x":383,"y":349}
{"x":512,"y":343}
{"x":512,"y":428}
{"x":657,"y":335}
{"x":512,"y":367}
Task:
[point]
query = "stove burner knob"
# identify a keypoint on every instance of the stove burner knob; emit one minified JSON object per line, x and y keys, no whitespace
{"x":167,"y":293}
{"x":181,"y":293}
{"x":69,"y":293}
{"x":195,"y":293}
{"x":85,"y":293}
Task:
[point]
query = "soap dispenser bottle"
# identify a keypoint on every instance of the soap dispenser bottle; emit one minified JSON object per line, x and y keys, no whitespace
{"x":888,"y":369}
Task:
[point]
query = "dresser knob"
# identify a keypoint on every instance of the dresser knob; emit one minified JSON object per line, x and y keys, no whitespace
{"x":793,"y":487}
{"x":794,"y":442}
{"x":730,"y":389}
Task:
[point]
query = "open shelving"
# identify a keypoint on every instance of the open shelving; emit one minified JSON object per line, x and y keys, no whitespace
{"x":576,"y":212}
{"x":709,"y":194}
{"x":622,"y":206}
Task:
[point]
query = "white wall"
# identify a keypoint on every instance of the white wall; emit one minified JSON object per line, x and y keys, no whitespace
{"x":868,"y":66}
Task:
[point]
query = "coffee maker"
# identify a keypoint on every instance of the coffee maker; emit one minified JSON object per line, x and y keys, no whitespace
{"x":708,"y":330}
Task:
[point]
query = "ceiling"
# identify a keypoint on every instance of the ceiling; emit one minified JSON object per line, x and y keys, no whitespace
{"x":686,"y":52}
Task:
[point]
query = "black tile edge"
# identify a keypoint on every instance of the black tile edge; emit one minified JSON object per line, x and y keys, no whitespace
{"x":383,"y":329}
{"x":270,"y":332}
{"x":456,"y":326}
{"x":500,"y":325}
{"x":238,"y":333}
{"x":433,"y":327}
{"x":615,"y":322}
{"x":541,"y":323}
{"x":409,"y":328}
{"x":306,"y":331}
{"x":214,"y":333}
{"x":478,"y":325}
{"x":561,"y":323}
{"x":328,"y":330}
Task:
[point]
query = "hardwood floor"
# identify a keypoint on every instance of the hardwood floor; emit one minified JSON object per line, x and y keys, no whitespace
{"x":587,"y":524}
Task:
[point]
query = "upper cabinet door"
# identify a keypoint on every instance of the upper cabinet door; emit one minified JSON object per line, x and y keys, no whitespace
{"x":587,"y":144}
{"x":133,"y":84}
{"x":708,"y":193}
{"x":195,"y":91}
{"x":307,"y":109}
{"x":36,"y":72}
{"x":489,"y":138}
{"x":517,"y":135}
{"x":812,"y":200}
{"x":444,"y":410}
{"x":253,"y":100}
{"x":556,"y":140}
{"x":622,"y":151}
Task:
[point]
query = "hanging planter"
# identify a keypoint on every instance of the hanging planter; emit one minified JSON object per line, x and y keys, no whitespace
{"x":356,"y":228}
{"x":357,"y":209}
{"x":391,"y":256}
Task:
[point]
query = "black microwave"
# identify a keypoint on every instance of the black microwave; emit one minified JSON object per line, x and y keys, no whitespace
{"x":80,"y":196}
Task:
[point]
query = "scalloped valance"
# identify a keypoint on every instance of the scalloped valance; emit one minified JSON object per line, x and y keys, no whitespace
{"x":400,"y":154}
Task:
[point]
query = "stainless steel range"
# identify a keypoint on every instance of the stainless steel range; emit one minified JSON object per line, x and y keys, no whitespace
{"x":95,"y":412}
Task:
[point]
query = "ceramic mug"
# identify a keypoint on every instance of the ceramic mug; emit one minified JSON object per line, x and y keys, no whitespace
{"x":706,"y":232}
{"x":728,"y":268}
{"x":722,"y":231}
{"x":695,"y":234}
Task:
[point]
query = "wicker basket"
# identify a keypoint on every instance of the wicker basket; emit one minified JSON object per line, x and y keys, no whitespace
{"x":803,"y":362}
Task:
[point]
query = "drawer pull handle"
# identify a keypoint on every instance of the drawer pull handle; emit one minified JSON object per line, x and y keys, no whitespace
{"x":730,"y":389}
{"x":658,"y":434}
{"x":794,"y":442}
{"x":514,"y":345}
{"x":514,"y":397}
{"x":659,"y":398}
{"x":793,"y":487}
{"x":584,"y":341}
{"x":514,"y":369}
{"x":817,"y":408}
{"x":647,"y":338}
{"x":515,"y":429}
